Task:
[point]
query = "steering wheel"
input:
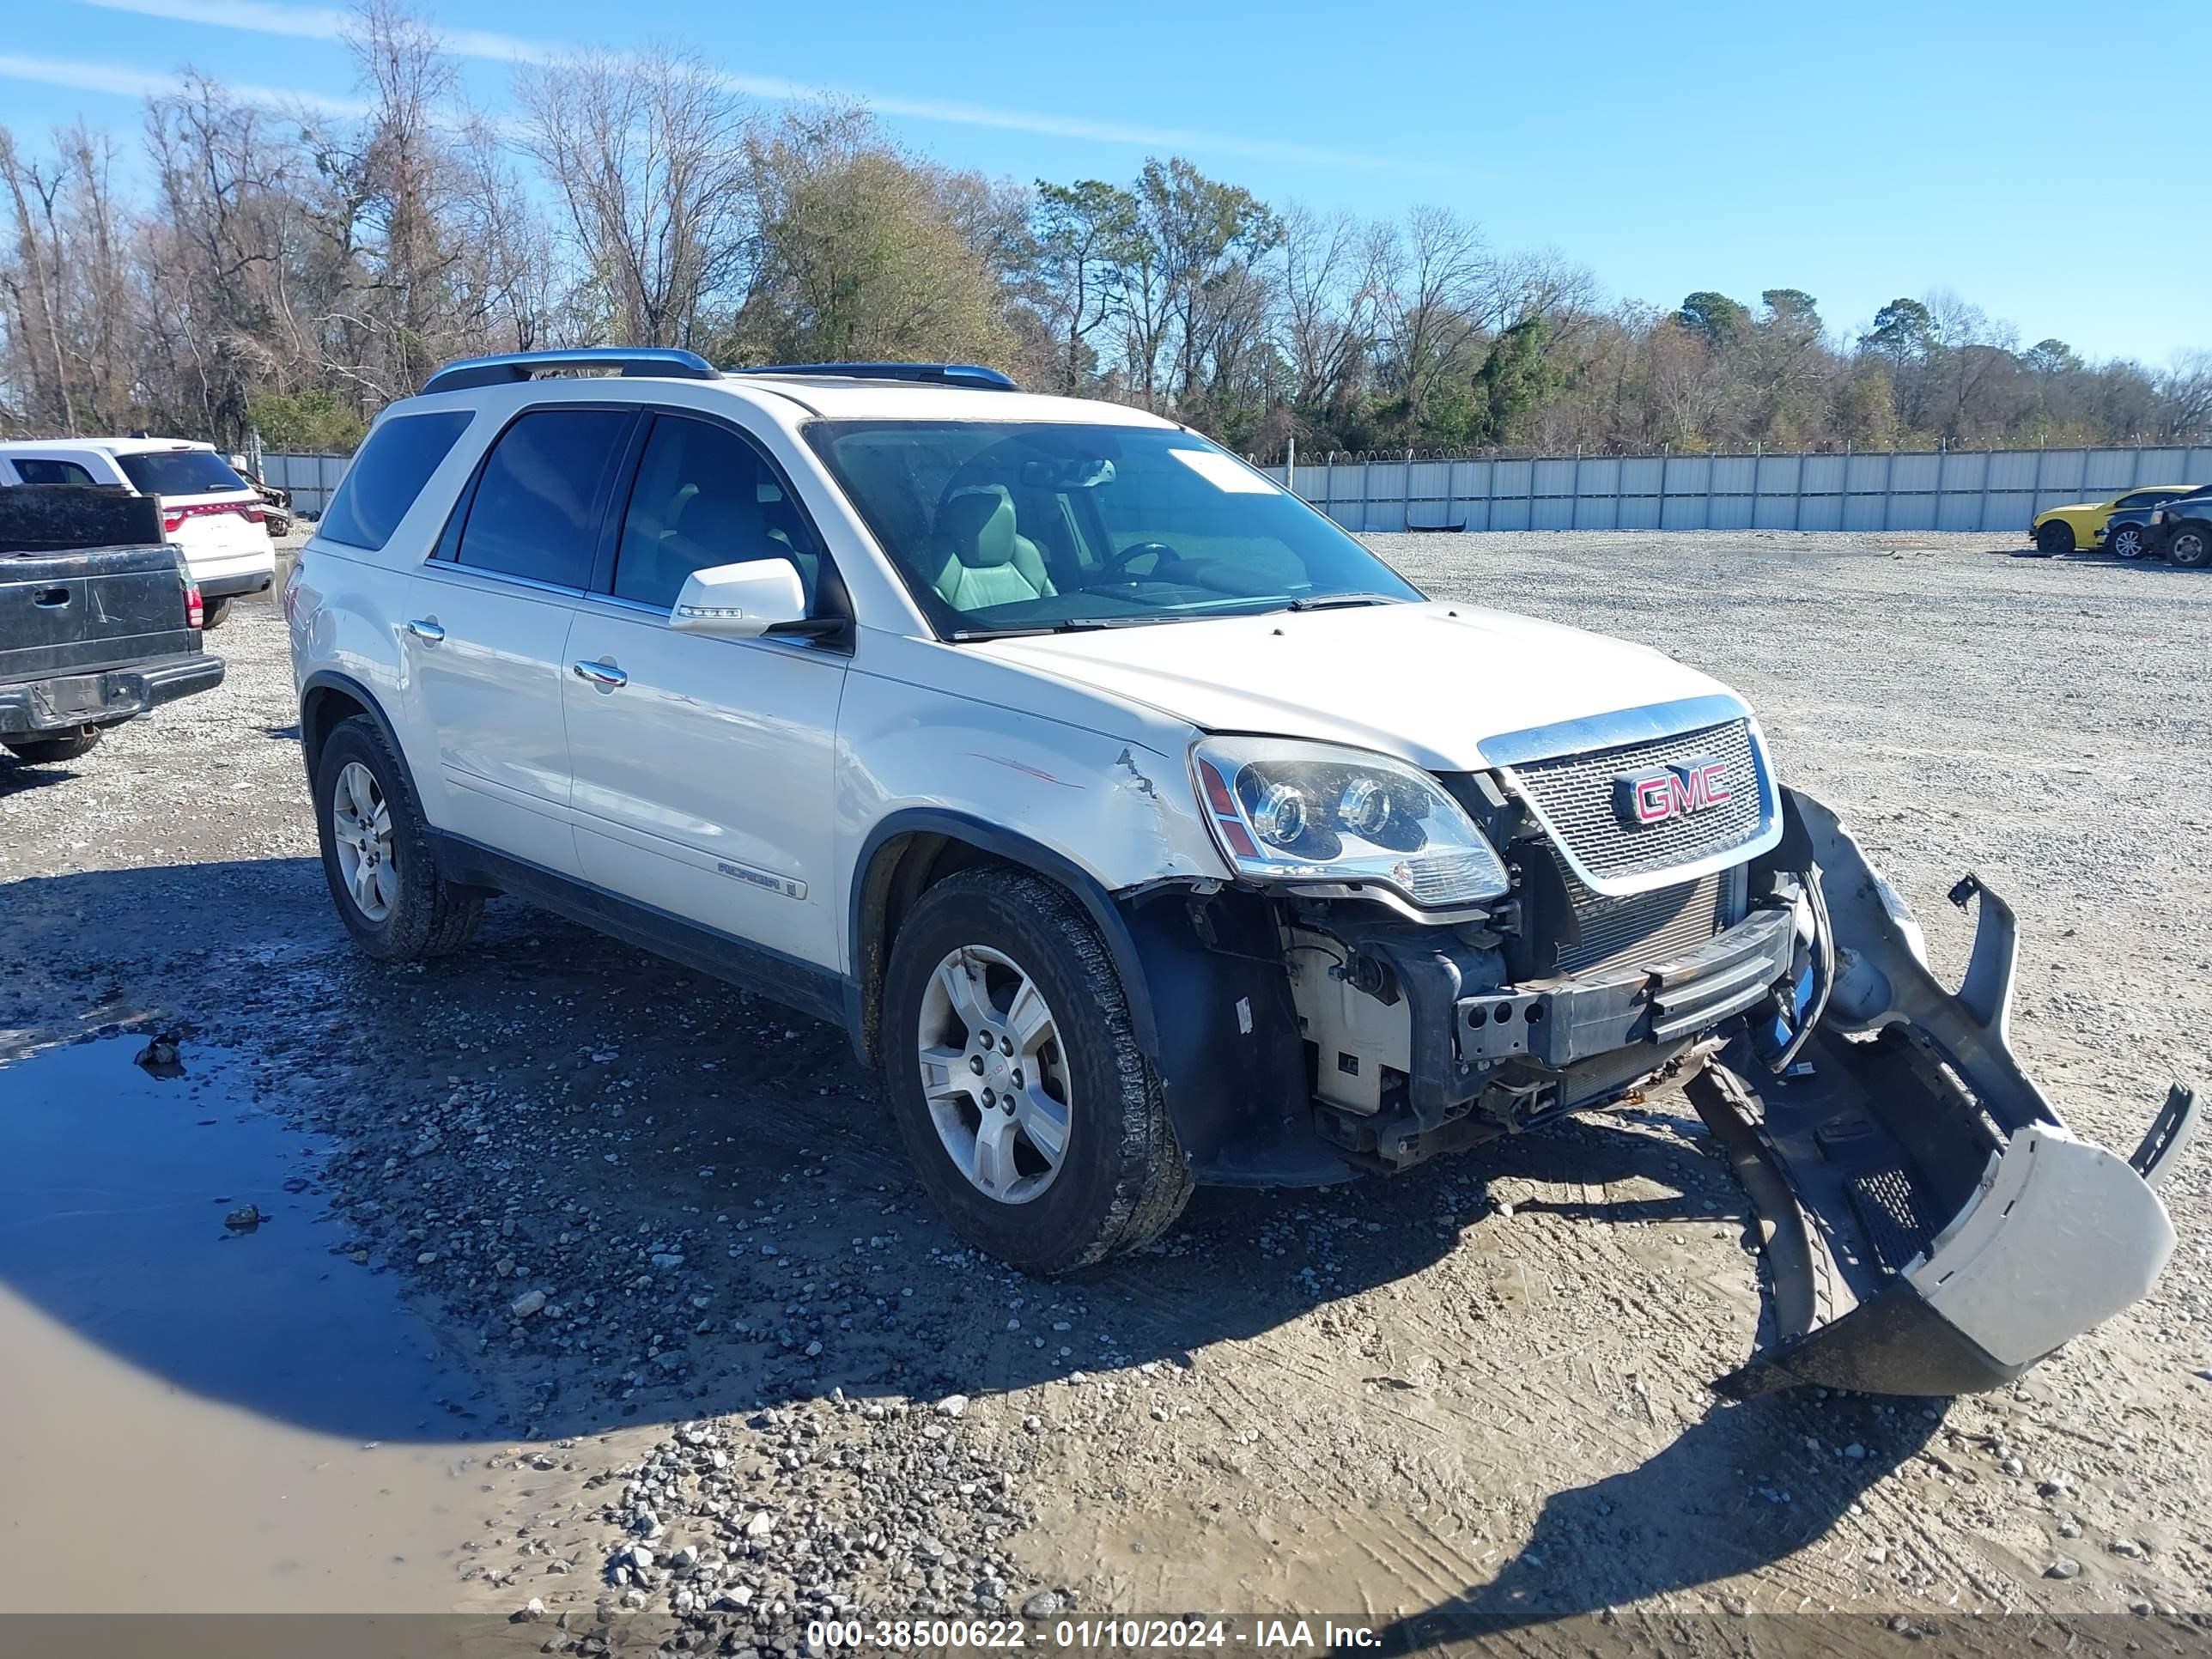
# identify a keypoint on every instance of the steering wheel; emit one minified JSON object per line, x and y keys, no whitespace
{"x":1117,"y":567}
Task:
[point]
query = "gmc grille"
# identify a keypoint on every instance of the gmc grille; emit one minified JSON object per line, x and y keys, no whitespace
{"x":1575,"y":794}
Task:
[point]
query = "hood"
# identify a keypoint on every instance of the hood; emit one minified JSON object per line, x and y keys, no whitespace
{"x":1428,"y":683}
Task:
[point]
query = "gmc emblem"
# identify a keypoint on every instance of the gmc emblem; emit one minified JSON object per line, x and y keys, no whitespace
{"x":1661,"y":792}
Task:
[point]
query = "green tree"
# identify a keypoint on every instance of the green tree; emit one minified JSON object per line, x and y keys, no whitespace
{"x":1903,"y":331}
{"x":1515,"y":376}
{"x":313,"y":422}
{"x":1083,"y":234}
{"x":1718,"y":320}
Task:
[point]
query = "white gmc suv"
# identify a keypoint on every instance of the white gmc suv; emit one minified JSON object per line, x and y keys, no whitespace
{"x":213,"y":516}
{"x":1147,"y":830}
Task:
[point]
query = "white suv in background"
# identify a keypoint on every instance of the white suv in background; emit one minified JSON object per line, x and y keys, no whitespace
{"x":1148,"y":830}
{"x":210,"y":513}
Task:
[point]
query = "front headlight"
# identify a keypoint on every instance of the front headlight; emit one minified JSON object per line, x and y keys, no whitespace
{"x":1283,"y":811}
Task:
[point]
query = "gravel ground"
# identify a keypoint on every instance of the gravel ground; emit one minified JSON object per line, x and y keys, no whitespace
{"x":668,"y":1228}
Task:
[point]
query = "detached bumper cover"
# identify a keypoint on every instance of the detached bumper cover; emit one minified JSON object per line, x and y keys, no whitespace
{"x":65,"y":701}
{"x":1934,"y":1226}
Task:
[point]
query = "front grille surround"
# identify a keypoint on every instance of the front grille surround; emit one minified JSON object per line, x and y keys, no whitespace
{"x":1571,"y":796}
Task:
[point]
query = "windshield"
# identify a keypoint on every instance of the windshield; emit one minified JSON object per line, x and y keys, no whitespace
{"x":178,"y":473}
{"x":998,"y":526}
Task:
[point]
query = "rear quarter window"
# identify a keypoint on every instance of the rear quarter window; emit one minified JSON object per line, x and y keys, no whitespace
{"x":541,"y":494}
{"x":38,"y":471}
{"x":387,"y":475}
{"x":179,"y":472}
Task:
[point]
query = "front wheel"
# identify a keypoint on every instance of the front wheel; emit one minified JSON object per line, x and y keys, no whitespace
{"x":376,"y":853}
{"x":2126,"y":541}
{"x":52,"y":750}
{"x":1012,"y":1069}
{"x":2191,"y":547}
{"x":2054,"y":538}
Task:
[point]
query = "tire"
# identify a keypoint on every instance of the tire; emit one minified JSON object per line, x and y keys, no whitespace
{"x":403,"y":910}
{"x":2054,"y":538}
{"x":215,"y":613}
{"x":52,"y":752}
{"x":2189,"y":547}
{"x":2126,"y":542}
{"x":1120,"y":1180}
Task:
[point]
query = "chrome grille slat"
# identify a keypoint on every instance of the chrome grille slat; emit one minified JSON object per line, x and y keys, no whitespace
{"x":1574,"y":794}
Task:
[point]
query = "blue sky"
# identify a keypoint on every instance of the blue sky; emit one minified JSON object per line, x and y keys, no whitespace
{"x":2015,"y":152}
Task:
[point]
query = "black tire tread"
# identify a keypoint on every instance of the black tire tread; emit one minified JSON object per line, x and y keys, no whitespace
{"x":52,"y":752}
{"x":1151,"y":1183}
{"x":435,"y":917}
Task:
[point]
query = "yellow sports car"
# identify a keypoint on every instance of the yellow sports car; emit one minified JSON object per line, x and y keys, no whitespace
{"x":2063,"y":529}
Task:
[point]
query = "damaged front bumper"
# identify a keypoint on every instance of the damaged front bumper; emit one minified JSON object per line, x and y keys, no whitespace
{"x":1932,"y":1225}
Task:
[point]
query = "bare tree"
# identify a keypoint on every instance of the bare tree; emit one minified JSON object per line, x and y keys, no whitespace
{"x":1331,"y":270}
{"x":1434,"y":278}
{"x":647,"y":157}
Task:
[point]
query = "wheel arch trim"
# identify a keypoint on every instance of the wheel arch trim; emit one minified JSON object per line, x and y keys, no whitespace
{"x":867,"y":949}
{"x":329,"y":680}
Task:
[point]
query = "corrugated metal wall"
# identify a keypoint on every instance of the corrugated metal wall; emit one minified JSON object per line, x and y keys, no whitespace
{"x":1997,"y":491}
{"x":311,"y":479}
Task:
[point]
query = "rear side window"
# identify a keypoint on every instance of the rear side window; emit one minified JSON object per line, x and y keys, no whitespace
{"x":387,"y":475}
{"x":179,"y":472}
{"x":541,"y":496}
{"x":32,"y":471}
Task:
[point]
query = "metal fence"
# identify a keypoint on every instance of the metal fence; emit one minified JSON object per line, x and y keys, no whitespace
{"x":1993,"y":490}
{"x":309,"y":477}
{"x":1996,"y":490}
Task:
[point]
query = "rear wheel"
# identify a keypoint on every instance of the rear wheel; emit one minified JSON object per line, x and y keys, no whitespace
{"x":2191,"y":546}
{"x":2126,"y":541}
{"x":215,"y":613}
{"x":2054,"y":538}
{"x":1013,"y":1070}
{"x":376,"y":853}
{"x":51,"y":750}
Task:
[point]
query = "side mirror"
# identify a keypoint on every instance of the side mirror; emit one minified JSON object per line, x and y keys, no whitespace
{"x":739,"y":601}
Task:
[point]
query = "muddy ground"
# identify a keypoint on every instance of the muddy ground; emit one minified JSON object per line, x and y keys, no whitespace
{"x":573,"y":1267}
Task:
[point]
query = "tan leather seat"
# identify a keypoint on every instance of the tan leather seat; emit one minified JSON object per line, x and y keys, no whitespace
{"x":976,"y":558}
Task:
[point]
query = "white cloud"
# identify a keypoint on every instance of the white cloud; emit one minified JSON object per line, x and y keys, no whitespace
{"x":78,"y":75}
{"x":328,"y":23}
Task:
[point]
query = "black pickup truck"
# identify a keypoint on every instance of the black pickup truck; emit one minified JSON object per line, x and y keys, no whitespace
{"x":98,"y":619}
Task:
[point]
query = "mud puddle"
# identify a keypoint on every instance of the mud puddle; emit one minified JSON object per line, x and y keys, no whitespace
{"x":212,"y":1415}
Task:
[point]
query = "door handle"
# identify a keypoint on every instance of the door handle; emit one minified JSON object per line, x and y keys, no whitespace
{"x":422,"y":629}
{"x":604,"y":675}
{"x":52,"y":598}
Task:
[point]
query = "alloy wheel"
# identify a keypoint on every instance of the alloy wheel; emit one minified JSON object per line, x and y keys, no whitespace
{"x":994,"y":1074}
{"x":360,"y":824}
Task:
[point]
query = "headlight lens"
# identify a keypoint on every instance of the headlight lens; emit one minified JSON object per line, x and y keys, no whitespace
{"x":1283,"y":811}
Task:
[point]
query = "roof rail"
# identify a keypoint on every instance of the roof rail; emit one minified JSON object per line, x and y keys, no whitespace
{"x":664,"y":362}
{"x":973,"y":375}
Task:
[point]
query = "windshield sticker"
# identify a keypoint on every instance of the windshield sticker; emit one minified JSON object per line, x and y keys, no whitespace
{"x":1222,"y":471}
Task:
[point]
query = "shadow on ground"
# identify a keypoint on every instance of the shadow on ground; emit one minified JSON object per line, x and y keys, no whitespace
{"x":304,"y":1064}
